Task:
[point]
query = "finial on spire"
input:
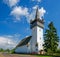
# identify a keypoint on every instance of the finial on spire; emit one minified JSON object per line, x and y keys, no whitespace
{"x":37,"y":13}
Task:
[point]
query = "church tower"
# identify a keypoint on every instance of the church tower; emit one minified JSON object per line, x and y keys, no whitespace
{"x":37,"y":26}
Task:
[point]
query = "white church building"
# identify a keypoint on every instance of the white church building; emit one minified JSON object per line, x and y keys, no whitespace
{"x":33,"y":43}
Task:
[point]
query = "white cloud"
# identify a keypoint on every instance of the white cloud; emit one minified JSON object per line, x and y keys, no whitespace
{"x":37,"y":0}
{"x":8,"y":41}
{"x":11,"y":3}
{"x":17,"y":12}
{"x":42,"y":11}
{"x":35,"y":7}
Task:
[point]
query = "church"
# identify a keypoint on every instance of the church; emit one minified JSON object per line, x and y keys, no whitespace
{"x":33,"y":43}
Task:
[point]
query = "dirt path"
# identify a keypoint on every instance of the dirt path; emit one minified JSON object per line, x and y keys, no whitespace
{"x":15,"y":55}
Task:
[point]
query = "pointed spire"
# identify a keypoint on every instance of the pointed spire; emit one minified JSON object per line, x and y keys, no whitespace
{"x":37,"y":13}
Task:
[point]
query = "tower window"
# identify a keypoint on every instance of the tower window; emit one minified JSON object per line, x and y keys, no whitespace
{"x":40,"y":38}
{"x":36,"y":45}
{"x":39,"y":29}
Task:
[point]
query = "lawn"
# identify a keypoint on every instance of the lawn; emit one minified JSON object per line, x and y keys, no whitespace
{"x":46,"y":56}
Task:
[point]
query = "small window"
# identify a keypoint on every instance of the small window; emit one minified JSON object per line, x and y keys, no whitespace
{"x":36,"y":45}
{"x":36,"y":49}
{"x":40,"y":38}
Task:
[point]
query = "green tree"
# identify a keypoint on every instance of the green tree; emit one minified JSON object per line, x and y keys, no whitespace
{"x":12,"y":51}
{"x":1,"y":50}
{"x":7,"y":50}
{"x":51,"y":38}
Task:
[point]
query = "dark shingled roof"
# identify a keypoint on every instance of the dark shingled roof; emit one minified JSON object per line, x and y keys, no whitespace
{"x":24,"y":41}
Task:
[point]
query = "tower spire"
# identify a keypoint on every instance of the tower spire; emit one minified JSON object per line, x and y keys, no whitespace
{"x":37,"y":13}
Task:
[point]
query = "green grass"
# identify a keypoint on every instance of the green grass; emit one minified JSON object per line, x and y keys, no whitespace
{"x":44,"y":56}
{"x":38,"y":55}
{"x":48,"y":55}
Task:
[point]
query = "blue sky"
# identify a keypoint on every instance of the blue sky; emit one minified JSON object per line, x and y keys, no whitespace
{"x":15,"y":16}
